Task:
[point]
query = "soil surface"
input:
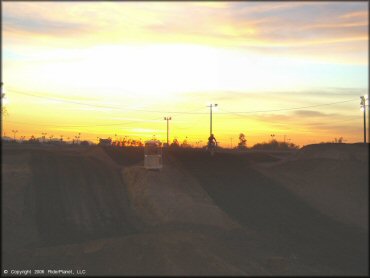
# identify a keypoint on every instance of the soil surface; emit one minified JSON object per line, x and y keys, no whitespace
{"x":249,"y":213}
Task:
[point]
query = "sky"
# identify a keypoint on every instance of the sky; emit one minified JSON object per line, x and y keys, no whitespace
{"x":295,"y":70}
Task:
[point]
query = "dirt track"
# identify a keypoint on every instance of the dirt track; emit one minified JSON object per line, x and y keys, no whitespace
{"x":287,"y":224}
{"x":80,"y":208}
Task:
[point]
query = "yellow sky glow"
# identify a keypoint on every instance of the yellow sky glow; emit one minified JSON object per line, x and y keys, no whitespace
{"x":106,"y":69}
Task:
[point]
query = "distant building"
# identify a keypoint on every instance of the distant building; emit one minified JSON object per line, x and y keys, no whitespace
{"x":105,"y":142}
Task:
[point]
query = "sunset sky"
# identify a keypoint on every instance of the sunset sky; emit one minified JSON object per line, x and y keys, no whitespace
{"x":103,"y":68}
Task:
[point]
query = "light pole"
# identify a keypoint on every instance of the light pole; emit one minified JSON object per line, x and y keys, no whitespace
{"x":14,"y":131}
{"x":210,"y":111}
{"x":363,"y":108}
{"x":167,"y":119}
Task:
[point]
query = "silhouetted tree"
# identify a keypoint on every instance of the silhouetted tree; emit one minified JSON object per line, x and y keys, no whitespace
{"x":33,"y":140}
{"x":175,"y":143}
{"x":242,"y":141}
{"x":185,"y":144}
{"x":140,"y":143}
{"x":338,"y":140}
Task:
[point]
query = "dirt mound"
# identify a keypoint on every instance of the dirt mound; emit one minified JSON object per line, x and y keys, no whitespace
{"x":126,"y":156}
{"x":65,"y":197}
{"x":76,"y":208}
{"x":285,"y":221}
{"x":356,"y":151}
{"x":332,"y":178}
{"x":18,"y":230}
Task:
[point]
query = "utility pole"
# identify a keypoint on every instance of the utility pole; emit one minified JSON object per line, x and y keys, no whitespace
{"x":363,"y":108}
{"x":167,"y":119}
{"x":14,"y":131}
{"x":210,"y":111}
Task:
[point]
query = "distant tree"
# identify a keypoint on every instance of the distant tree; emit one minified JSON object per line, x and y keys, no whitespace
{"x":124,"y":142}
{"x":175,"y":143}
{"x":293,"y":146}
{"x":242,"y":141}
{"x":140,"y":143}
{"x":33,"y":140}
{"x":338,"y":140}
{"x":185,"y":144}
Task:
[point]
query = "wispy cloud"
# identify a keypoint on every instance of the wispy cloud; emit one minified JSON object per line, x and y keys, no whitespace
{"x":31,"y":25}
{"x":311,"y":113}
{"x":265,"y":25}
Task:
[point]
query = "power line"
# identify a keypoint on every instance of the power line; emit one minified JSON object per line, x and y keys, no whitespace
{"x":285,"y":109}
{"x":93,"y":125}
{"x":179,"y":112}
{"x":104,"y":106}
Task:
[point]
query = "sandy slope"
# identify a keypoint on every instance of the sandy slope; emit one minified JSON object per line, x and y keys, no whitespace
{"x":331,"y":177}
{"x":16,"y":182}
{"x":286,"y":222}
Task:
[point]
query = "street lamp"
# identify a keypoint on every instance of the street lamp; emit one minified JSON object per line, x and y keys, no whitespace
{"x":14,"y":131}
{"x":78,"y":138}
{"x":210,"y":111}
{"x":363,"y":108}
{"x":167,"y":119}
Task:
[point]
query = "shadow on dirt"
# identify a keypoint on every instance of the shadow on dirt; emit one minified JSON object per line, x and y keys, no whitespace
{"x":286,"y":223}
{"x":77,"y":198}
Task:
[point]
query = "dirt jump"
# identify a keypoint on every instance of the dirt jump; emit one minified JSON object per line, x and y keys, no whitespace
{"x":98,"y":209}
